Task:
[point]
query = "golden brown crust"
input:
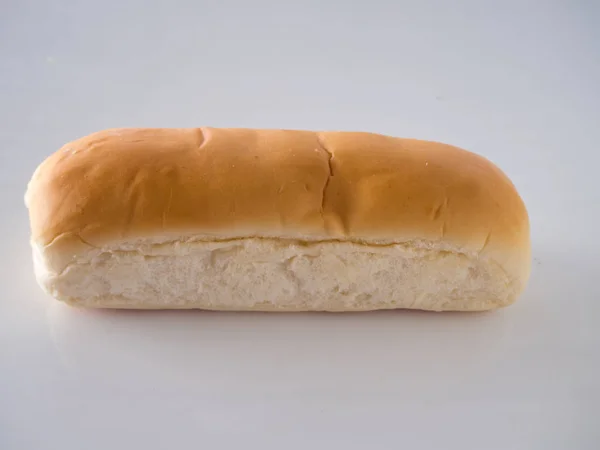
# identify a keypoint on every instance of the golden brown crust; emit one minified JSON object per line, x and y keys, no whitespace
{"x":126,"y":183}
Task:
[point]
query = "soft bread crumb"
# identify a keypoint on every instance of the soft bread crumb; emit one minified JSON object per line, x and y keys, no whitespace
{"x":278,"y":275}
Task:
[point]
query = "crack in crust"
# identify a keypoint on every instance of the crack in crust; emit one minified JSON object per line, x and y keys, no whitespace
{"x":329,"y":154}
{"x":201,"y":137}
{"x":486,"y":241}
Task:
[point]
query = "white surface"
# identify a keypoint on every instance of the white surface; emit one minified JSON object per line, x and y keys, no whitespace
{"x":515,"y":81}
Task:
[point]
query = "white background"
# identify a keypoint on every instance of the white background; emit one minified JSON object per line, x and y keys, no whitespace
{"x":517,"y":81}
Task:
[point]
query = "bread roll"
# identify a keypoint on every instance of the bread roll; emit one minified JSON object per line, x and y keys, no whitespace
{"x":275,"y":220}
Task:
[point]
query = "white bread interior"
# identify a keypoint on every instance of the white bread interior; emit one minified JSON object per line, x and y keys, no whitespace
{"x":266,"y":274}
{"x":274,"y":220}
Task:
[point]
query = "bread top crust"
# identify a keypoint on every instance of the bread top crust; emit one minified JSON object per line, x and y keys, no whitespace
{"x":124,"y":184}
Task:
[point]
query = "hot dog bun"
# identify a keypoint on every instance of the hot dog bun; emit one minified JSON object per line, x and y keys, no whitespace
{"x":281,"y":220}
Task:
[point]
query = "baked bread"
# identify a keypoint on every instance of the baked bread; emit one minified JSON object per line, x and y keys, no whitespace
{"x":275,"y":220}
